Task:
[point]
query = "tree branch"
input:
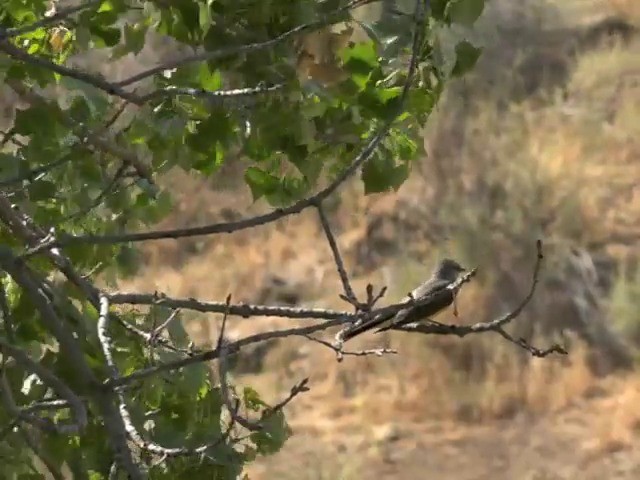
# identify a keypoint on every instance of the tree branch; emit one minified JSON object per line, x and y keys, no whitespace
{"x":222,"y":373}
{"x":496,"y":325}
{"x":250,"y":425}
{"x":229,"y":227}
{"x":98,"y":140}
{"x":243,"y":310}
{"x":48,"y":377}
{"x":215,"y":95}
{"x":237,"y":50}
{"x":59,"y":15}
{"x":209,"y":355}
{"x":337,"y":258}
{"x":24,"y":227}
{"x":90,"y":79}
{"x":132,"y":431}
{"x":226,"y":227}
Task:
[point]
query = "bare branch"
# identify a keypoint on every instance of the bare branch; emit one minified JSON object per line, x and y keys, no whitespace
{"x":222,"y":373}
{"x":244,"y":310}
{"x":436,"y":328}
{"x":215,"y":95}
{"x":337,"y":258}
{"x":209,"y":355}
{"x":358,"y":353}
{"x":250,"y":425}
{"x":536,"y":352}
{"x":46,"y":405}
{"x":297,"y":389}
{"x":158,"y":331}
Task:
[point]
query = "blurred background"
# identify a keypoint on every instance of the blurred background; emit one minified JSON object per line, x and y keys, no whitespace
{"x":542,"y":140}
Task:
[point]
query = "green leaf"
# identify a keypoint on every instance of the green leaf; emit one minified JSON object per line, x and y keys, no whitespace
{"x":134,"y":37}
{"x":438,"y":9}
{"x":42,"y":190}
{"x":216,"y":128}
{"x":360,"y":58}
{"x":465,"y":12}
{"x":30,"y":120}
{"x":274,"y":433}
{"x":208,"y":80}
{"x":109,"y":36}
{"x":380,"y":174}
{"x":260,"y":182}
{"x":252,"y":399}
{"x":387,"y":94}
{"x":466,"y":57}
{"x":208,"y":164}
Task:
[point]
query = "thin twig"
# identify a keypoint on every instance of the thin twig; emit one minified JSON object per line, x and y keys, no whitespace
{"x":158,"y":330}
{"x":51,"y":379}
{"x":357,"y":353}
{"x":61,"y":14}
{"x":337,"y":258}
{"x":33,"y":174}
{"x":300,"y":387}
{"x":222,"y":373}
{"x":209,"y":355}
{"x":536,"y":352}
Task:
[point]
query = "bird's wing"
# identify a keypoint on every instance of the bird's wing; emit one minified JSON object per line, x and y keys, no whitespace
{"x":429,"y":287}
{"x":415,"y":313}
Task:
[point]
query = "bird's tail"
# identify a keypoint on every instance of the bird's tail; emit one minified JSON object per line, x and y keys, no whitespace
{"x":364,"y":327}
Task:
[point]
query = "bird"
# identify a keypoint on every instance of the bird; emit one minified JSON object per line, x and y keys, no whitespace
{"x":445,"y":273}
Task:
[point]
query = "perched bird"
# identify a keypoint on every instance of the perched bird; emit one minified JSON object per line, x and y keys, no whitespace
{"x":446,"y":272}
